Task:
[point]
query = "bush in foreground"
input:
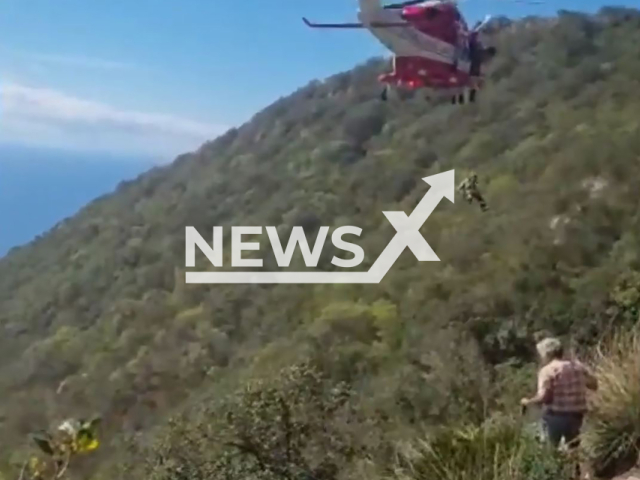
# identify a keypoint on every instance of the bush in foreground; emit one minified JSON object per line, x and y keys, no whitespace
{"x":499,"y":449}
{"x":612,"y":436}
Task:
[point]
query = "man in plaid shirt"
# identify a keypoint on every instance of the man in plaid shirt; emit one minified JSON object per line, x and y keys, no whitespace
{"x":562,"y":391}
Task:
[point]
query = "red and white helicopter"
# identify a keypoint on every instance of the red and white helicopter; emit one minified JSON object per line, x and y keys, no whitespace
{"x":433,"y":47}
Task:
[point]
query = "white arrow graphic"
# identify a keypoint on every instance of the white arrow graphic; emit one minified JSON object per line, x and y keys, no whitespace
{"x":407,"y":235}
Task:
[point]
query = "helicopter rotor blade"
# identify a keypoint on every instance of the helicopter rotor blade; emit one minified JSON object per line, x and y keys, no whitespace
{"x":332,"y":25}
{"x":529,"y":2}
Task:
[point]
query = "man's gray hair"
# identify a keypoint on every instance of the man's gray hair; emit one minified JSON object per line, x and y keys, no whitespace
{"x":550,"y":348}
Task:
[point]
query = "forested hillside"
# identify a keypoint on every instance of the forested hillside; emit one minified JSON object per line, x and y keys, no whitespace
{"x":95,"y":316}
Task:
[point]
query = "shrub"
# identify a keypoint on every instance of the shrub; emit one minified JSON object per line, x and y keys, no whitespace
{"x":364,"y":122}
{"x":339,"y":152}
{"x":612,"y":436}
{"x":496,"y":450}
{"x":294,"y":425}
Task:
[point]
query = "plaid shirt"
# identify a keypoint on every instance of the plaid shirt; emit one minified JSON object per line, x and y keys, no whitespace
{"x":563,"y":385}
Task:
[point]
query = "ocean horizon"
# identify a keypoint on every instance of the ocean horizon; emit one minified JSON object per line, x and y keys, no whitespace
{"x":40,"y":187}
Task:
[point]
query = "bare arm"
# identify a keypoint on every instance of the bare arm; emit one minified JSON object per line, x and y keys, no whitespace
{"x":543,"y":395}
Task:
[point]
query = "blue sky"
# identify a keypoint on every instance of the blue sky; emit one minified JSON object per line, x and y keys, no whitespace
{"x":161,"y":76}
{"x":95,"y":91}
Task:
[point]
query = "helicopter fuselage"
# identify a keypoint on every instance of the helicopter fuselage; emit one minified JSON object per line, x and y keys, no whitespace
{"x":431,"y":37}
{"x":430,"y":54}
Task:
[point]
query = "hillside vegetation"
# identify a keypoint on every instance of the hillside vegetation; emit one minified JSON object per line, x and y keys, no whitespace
{"x":95,"y":316}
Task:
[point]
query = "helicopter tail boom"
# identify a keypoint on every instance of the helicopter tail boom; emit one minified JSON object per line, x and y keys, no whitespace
{"x":356,"y":25}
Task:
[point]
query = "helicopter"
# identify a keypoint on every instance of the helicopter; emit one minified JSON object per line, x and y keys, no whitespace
{"x":433,"y":47}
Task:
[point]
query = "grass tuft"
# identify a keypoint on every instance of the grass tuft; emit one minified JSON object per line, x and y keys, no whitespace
{"x":495,"y":450}
{"x":612,"y":436}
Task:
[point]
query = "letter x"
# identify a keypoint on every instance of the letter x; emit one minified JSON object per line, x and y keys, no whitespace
{"x":408,"y":235}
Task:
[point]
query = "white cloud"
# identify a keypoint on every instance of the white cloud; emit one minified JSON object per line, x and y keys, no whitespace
{"x":64,"y":60}
{"x":78,"y":61}
{"x":49,"y":117}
